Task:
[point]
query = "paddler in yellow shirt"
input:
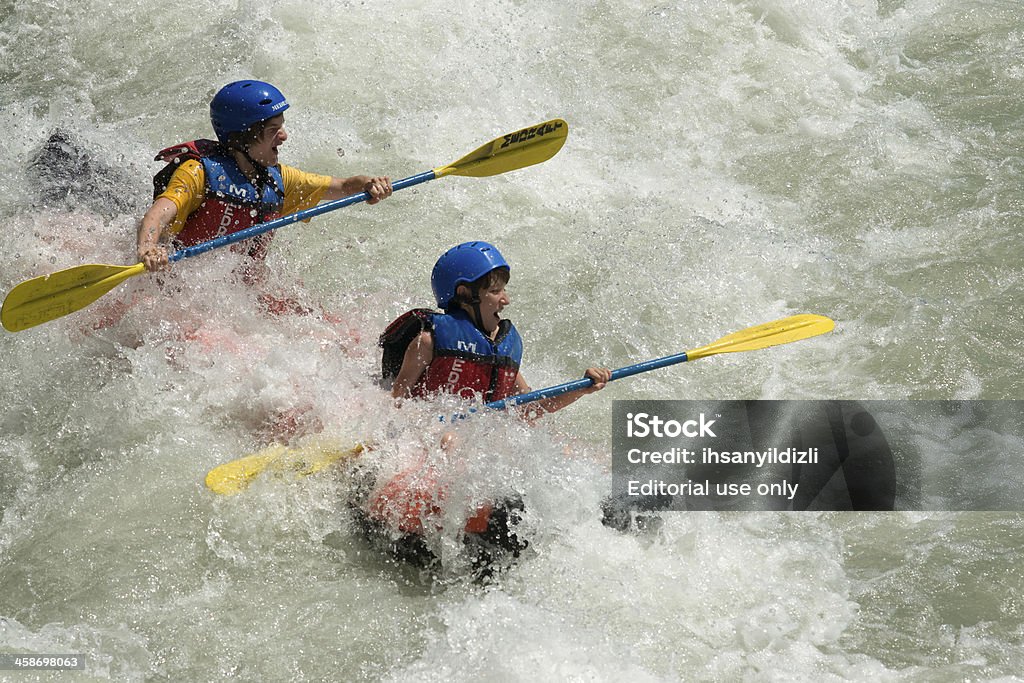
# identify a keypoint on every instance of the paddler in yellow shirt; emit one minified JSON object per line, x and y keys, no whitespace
{"x":209,"y":188}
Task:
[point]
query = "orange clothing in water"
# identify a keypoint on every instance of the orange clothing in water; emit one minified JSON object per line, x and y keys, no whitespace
{"x":413,"y":498}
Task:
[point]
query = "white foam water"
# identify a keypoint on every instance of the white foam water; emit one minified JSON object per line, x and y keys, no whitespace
{"x":728,"y":164}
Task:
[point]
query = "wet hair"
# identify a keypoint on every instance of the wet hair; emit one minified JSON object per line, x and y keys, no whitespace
{"x":498,"y":276}
{"x":243,"y":139}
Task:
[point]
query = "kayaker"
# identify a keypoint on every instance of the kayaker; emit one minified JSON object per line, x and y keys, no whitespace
{"x":471,"y":351}
{"x":212,"y":188}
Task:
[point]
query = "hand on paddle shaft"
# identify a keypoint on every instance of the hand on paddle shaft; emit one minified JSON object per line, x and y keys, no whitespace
{"x":235,"y":476}
{"x":49,"y":297}
{"x":594,"y":379}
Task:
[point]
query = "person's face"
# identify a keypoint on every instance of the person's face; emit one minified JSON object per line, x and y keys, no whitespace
{"x":493,"y":300}
{"x":264,"y":150}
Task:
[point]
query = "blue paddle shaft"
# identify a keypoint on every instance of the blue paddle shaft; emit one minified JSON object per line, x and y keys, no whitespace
{"x":560,"y":389}
{"x":565,"y":388}
{"x":305,"y":214}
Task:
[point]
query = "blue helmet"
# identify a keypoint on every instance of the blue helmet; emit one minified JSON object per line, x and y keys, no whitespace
{"x":463,"y":264}
{"x":242,"y":104}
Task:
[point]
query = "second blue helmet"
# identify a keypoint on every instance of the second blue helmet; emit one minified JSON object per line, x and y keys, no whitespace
{"x":463,"y":264}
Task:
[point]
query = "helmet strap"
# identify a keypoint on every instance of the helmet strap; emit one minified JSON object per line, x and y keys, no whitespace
{"x":258,"y":169}
{"x":478,"y":319}
{"x":475,"y":315}
{"x":262,"y":175}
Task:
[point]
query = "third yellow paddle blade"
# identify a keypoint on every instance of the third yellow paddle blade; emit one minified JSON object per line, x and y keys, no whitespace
{"x":236,"y":476}
{"x":520,"y":149}
{"x":791,"y":329}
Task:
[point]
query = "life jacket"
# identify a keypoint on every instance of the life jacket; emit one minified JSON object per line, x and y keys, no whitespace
{"x":232,"y":202}
{"x":466,"y":363}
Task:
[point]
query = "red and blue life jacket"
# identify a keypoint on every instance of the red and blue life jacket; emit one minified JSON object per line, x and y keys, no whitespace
{"x":466,"y":363}
{"x":232,"y":202}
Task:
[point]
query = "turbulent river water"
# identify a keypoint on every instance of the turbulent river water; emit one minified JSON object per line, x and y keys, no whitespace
{"x":728,"y":163}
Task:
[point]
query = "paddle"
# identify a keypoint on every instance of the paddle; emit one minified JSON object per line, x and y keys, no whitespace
{"x":49,"y":297}
{"x":784,"y":331}
{"x":235,"y":476}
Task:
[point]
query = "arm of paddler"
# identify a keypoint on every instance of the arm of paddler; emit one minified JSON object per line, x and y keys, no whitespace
{"x":153,"y":226}
{"x":378,"y":187}
{"x":417,"y":358}
{"x":303,"y":190}
{"x":536,"y":409}
{"x":184,"y":193}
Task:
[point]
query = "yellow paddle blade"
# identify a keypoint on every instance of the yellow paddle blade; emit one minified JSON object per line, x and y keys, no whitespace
{"x":49,"y":297}
{"x":236,"y":476}
{"x":784,"y":331}
{"x":520,"y":149}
